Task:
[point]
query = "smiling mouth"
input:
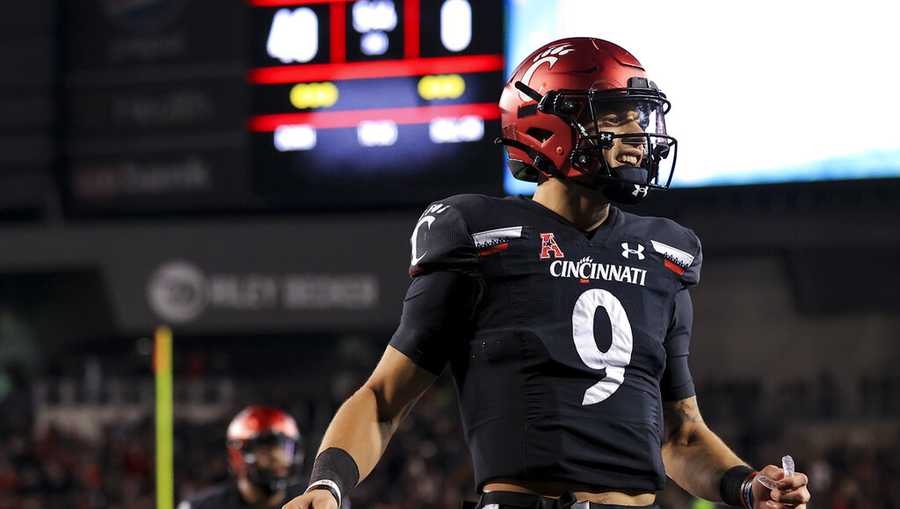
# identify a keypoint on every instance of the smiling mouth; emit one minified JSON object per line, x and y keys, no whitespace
{"x":628,"y":159}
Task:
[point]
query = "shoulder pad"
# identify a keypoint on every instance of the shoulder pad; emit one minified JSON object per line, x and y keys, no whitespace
{"x":682,"y":253}
{"x":678,"y":246}
{"x":441,"y":239}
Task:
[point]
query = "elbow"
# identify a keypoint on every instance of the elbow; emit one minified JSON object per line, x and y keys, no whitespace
{"x":685,"y":436}
{"x":386,"y":413}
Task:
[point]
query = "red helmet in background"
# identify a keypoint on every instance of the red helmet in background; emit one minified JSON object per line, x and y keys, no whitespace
{"x":257,"y":428}
{"x":551,"y":112}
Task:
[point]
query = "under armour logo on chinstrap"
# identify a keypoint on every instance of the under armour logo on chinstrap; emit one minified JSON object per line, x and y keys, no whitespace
{"x":626,"y":251}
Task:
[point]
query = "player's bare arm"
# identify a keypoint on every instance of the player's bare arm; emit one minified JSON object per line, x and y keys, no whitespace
{"x":697,"y":459}
{"x":365,"y":423}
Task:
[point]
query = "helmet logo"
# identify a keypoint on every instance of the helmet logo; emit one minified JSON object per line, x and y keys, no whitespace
{"x":550,"y":56}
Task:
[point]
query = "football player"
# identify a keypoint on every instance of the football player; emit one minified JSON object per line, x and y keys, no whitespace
{"x":565,"y":320}
{"x":263,"y":445}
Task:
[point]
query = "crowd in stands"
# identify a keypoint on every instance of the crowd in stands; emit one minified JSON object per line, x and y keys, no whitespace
{"x":427,"y":466}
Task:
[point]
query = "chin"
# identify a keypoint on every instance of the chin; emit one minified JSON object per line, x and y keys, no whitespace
{"x":594,"y":193}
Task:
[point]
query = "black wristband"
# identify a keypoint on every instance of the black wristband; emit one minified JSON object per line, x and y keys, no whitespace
{"x":731,"y":484}
{"x":336,"y":465}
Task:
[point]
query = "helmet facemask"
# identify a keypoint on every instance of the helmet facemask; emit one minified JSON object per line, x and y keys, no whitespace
{"x":627,"y":124}
{"x":281,"y":458}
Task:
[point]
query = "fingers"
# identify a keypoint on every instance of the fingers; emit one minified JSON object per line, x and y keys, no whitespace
{"x":772,"y":472}
{"x":792,"y":492}
{"x":316,"y":499}
{"x":302,"y":502}
{"x":776,"y":505}
{"x":798,"y":496}
{"x":297,"y":503}
{"x":793,"y":482}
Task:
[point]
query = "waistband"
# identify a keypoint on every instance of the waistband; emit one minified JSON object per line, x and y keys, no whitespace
{"x":512,"y":500}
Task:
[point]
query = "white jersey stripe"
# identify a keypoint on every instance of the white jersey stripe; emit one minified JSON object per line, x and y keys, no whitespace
{"x":493,"y":237}
{"x":676,"y":255}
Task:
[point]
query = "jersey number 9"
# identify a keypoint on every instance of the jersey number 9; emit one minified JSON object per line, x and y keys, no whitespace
{"x":617,"y":357}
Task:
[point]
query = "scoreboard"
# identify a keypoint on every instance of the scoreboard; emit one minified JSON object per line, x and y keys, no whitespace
{"x":253,"y":105}
{"x":374,"y":102}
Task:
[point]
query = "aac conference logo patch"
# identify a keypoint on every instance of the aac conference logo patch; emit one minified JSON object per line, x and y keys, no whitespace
{"x":550,"y":247}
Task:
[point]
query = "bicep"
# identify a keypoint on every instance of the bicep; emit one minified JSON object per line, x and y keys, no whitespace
{"x":397,"y":383}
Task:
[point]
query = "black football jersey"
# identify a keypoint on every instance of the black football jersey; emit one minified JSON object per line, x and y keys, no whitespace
{"x":564,"y":364}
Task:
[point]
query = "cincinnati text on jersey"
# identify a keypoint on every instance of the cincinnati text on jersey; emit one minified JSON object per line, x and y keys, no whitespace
{"x":586,"y":269}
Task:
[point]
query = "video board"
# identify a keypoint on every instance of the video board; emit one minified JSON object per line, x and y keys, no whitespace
{"x":756,"y":97}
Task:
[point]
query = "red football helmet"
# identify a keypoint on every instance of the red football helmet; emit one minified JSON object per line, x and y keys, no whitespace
{"x":573,"y":99}
{"x":258,"y":427}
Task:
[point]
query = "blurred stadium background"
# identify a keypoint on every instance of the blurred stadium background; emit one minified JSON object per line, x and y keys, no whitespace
{"x":248,"y":173}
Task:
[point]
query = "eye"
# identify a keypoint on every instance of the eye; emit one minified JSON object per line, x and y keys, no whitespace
{"x":609,"y":120}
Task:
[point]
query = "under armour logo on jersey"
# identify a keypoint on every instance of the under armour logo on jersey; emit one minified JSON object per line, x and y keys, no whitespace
{"x":640,"y":191}
{"x":549,"y":246}
{"x":626,"y":251}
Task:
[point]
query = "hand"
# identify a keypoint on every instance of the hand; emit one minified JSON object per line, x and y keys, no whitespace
{"x":315,"y":499}
{"x":791,"y":492}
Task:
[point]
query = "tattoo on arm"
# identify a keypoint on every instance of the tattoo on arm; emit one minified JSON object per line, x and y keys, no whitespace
{"x":695,"y":457}
{"x":682,"y":419}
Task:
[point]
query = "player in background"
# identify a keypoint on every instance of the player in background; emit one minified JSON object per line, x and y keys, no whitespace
{"x":565,"y":320}
{"x":263,"y":445}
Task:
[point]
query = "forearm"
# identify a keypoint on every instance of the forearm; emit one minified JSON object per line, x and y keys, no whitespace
{"x":363,"y":427}
{"x":697,"y":460}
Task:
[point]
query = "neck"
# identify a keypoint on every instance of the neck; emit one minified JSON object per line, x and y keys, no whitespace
{"x":254,"y":497}
{"x":583,"y":207}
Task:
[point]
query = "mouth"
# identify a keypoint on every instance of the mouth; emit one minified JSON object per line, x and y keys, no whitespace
{"x":628,"y":159}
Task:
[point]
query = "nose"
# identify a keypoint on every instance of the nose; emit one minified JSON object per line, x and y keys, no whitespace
{"x":638,"y":140}
{"x":633,"y":127}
